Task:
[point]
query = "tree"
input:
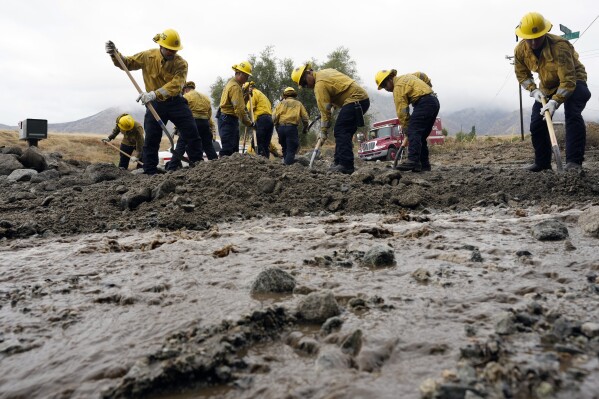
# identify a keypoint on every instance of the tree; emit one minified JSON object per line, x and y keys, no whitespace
{"x":445,"y":132}
{"x":216,"y":91}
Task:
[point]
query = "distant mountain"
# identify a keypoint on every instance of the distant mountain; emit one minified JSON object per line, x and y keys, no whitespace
{"x":102,"y":122}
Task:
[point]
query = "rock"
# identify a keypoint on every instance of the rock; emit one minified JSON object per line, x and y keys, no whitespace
{"x":273,"y":280}
{"x":523,"y":253}
{"x":476,"y":256}
{"x":103,"y":172}
{"x":33,"y":158}
{"x":318,"y":306}
{"x":332,"y":359}
{"x":9,"y":163}
{"x":421,"y":275}
{"x":308,"y":346}
{"x":18,"y":151}
{"x":362,"y":175}
{"x":379,"y":256}
{"x":591,"y":330}
{"x":266,"y":185}
{"x":132,"y":200}
{"x":64,"y":168}
{"x":589,"y":221}
{"x":332,"y":324}
{"x":163,"y":189}
{"x":550,"y":230}
{"x":21,"y":175}
{"x":387,"y":177}
{"x":408,"y":199}
{"x":505,"y":324}
{"x":352,"y":344}
{"x":47,"y":201}
{"x":428,"y":389}
{"x":45,"y":176}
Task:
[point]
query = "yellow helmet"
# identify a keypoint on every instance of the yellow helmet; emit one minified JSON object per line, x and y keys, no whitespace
{"x":289,"y":92}
{"x":532,"y":26}
{"x":380,"y":76}
{"x":169,"y":39}
{"x":296,"y":74}
{"x":244,"y":67}
{"x":126,"y":123}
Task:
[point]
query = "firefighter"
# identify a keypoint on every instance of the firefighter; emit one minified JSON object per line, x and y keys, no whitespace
{"x":133,"y":139}
{"x":334,"y":89}
{"x":287,"y":117}
{"x":202,"y":113}
{"x":262,"y":113}
{"x":232,"y":108}
{"x":562,"y":81}
{"x":411,"y":89}
{"x":164,"y":74}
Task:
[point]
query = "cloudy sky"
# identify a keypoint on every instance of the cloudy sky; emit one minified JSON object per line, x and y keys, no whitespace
{"x":54,"y":66}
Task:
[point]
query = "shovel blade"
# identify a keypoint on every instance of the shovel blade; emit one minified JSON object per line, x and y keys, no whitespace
{"x":558,"y":158}
{"x":315,"y":155}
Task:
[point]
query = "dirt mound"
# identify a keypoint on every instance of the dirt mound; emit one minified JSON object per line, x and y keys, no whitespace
{"x":242,"y":187}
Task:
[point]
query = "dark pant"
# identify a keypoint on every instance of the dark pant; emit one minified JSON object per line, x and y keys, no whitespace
{"x":421,"y":123}
{"x":176,"y":110}
{"x":228,"y":129}
{"x":576,"y":133}
{"x":289,"y":141}
{"x":124,"y":160}
{"x":348,"y":120}
{"x":205,"y":143}
{"x":264,"y":126}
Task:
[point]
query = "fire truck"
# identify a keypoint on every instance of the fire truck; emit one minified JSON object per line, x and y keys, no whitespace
{"x":387,"y":137}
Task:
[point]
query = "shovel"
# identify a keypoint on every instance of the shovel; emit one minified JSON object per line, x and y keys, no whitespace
{"x":149,"y":106}
{"x":554,"y":145}
{"x":316,"y":152}
{"x":122,"y":152}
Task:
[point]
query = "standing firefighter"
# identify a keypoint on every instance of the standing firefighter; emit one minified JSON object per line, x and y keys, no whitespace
{"x":287,"y":116}
{"x":202,"y":113}
{"x":164,"y":74}
{"x":232,"y":108}
{"x":133,"y":138}
{"x":262,"y":110}
{"x":414,"y":89}
{"x":334,"y":89}
{"x":563,"y":81}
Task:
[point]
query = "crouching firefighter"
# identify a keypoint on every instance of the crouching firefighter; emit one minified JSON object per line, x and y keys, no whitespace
{"x":133,"y":139}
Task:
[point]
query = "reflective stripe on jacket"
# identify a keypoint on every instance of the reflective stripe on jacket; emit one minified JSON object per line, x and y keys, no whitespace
{"x":290,"y":112}
{"x":407,"y":89}
{"x":558,"y":67}
{"x":231,"y":102}
{"x":165,"y":78}
{"x":332,"y":88}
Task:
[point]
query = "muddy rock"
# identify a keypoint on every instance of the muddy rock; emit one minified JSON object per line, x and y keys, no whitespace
{"x":318,"y":306}
{"x":9,"y":163}
{"x":505,"y":324}
{"x":332,"y":359}
{"x":409,"y":198}
{"x":332,"y":324}
{"x":352,"y":344}
{"x":589,"y":221}
{"x":33,"y":158}
{"x":591,"y":330}
{"x":46,"y":175}
{"x":273,"y":280}
{"x":21,"y":175}
{"x":387,"y":177}
{"x":133,"y":199}
{"x":379,"y":256}
{"x":421,"y":275}
{"x":163,"y":189}
{"x":267,"y":185}
{"x":550,"y":230}
{"x":11,"y":150}
{"x":364,"y":176}
{"x":103,"y":172}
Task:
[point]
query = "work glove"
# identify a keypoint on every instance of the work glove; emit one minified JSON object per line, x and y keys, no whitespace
{"x":537,"y":94}
{"x":551,"y":106}
{"x":253,"y":125}
{"x":134,"y":159}
{"x":323,"y":136}
{"x":146,"y":97}
{"x":110,"y":48}
{"x":106,"y":140}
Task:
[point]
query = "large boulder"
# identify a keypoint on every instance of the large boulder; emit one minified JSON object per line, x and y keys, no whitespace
{"x":98,"y":172}
{"x":550,"y":230}
{"x":589,"y":221}
{"x":273,"y":280}
{"x":21,"y":175}
{"x":9,"y":163}
{"x":33,"y":158}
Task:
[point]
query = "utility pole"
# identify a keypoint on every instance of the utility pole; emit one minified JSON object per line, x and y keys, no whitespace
{"x":511,"y":58}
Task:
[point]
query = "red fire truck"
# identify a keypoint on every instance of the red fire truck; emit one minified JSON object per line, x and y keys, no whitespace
{"x":386,"y":138}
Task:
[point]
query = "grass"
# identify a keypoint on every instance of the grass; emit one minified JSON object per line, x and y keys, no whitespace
{"x":453,"y":145}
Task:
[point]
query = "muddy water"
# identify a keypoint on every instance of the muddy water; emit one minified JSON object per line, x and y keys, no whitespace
{"x":77,"y":313}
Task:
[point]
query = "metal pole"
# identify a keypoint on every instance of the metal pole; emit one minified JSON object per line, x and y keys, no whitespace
{"x":521,"y":117}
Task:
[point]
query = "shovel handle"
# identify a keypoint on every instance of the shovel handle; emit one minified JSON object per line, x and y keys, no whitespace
{"x":553,"y":138}
{"x":122,"y":152}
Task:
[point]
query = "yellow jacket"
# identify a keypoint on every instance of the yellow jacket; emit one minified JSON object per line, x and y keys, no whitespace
{"x":260,"y":102}
{"x":332,"y":88}
{"x":199,"y":104}
{"x":231,"y":102}
{"x":290,"y":112}
{"x":165,"y":78}
{"x":424,"y":77}
{"x":407,"y":89}
{"x":134,"y":137}
{"x":558,"y":67}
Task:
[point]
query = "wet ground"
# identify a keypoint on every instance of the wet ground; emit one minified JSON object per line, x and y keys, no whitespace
{"x":99,"y":298}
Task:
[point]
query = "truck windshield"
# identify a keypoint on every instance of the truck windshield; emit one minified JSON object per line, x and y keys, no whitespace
{"x":381,"y":132}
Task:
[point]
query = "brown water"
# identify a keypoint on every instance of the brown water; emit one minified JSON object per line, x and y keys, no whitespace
{"x":77,"y":313}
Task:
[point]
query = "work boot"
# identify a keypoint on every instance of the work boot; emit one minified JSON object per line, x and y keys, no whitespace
{"x":414,"y":166}
{"x":573,"y":166}
{"x":341,"y":169}
{"x":537,"y":168}
{"x":426,"y":168}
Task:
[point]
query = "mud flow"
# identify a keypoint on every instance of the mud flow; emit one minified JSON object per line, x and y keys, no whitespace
{"x":242,"y":278}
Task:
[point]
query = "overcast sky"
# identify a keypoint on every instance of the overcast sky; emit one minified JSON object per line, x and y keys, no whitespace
{"x":53,"y":65}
